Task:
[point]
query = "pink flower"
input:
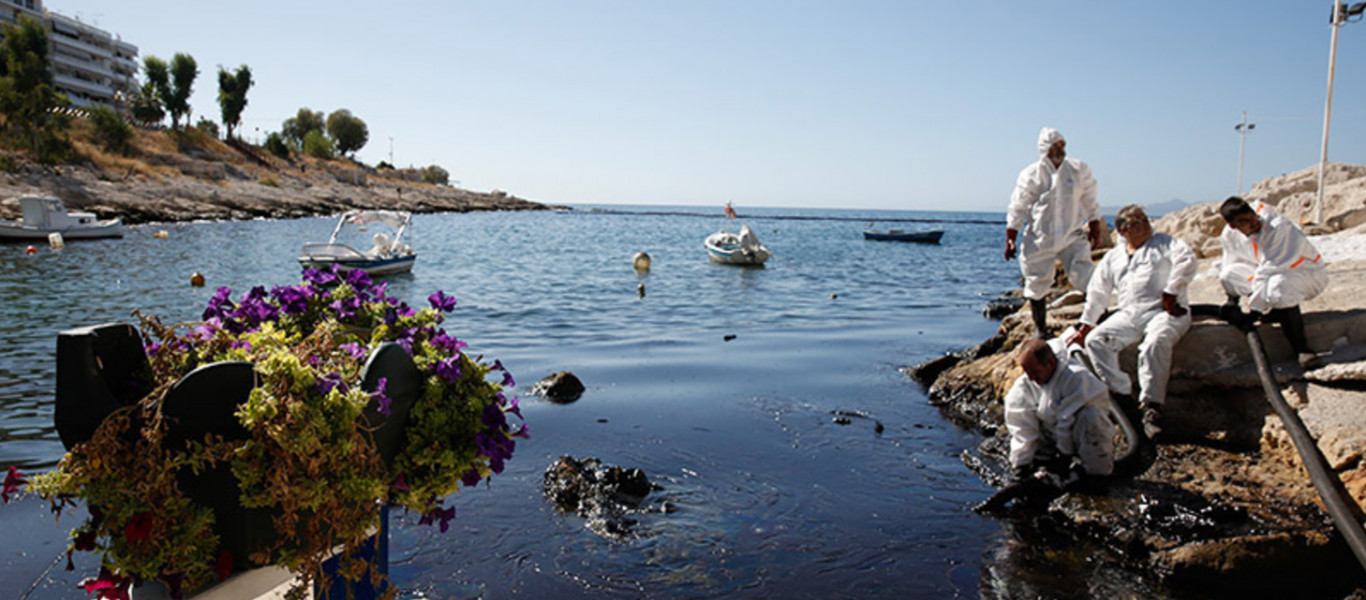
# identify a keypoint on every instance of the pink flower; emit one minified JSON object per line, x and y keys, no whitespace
{"x":12,"y":482}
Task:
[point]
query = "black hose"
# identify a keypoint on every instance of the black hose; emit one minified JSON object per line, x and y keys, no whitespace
{"x":1347,"y":516}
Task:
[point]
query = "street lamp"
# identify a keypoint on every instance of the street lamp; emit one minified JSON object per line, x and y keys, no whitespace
{"x":1341,"y":14}
{"x":1242,"y":129}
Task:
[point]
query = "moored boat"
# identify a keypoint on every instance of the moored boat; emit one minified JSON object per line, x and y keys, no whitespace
{"x":389,"y":253}
{"x":44,"y":216}
{"x":743,"y":249}
{"x":896,"y":235}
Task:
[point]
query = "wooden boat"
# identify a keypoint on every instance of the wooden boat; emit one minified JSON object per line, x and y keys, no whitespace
{"x":43,"y":216}
{"x":390,"y":254}
{"x":896,"y":235}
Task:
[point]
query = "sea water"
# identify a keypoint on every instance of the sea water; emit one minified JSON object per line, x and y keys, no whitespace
{"x":729,"y":386}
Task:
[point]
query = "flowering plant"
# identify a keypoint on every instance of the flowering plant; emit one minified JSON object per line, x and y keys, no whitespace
{"x":309,"y":456}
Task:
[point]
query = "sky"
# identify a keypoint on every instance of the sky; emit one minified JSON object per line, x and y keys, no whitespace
{"x":898,"y":104}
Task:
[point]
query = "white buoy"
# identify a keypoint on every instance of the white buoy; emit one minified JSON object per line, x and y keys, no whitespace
{"x":161,"y":235}
{"x":54,"y":239}
{"x":641,"y":261}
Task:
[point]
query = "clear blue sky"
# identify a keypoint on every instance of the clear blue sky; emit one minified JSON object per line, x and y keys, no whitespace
{"x":860,"y":104}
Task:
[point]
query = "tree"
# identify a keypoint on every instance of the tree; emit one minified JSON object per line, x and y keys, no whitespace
{"x":183,"y":72}
{"x":298,"y":126}
{"x":157,"y":90}
{"x":318,"y":146}
{"x":436,"y":175}
{"x":275,"y":143}
{"x":110,"y":128}
{"x":144,"y":105}
{"x":232,"y":95}
{"x":207,"y":126}
{"x":348,"y":131}
{"x":27,"y":98}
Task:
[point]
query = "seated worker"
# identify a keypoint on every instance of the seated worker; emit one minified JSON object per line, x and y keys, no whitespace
{"x":1277,"y":270}
{"x":1056,"y":416}
{"x":1147,"y":276}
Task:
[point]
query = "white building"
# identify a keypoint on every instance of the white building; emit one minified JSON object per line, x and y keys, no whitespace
{"x":88,"y":64}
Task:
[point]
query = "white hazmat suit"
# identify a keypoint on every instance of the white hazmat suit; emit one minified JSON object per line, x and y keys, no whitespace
{"x":1238,"y":249}
{"x":1057,"y":202}
{"x":1136,"y":282}
{"x":1276,"y":267}
{"x":1065,"y":417}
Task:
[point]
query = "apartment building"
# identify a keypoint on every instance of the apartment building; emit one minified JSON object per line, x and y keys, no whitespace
{"x":89,"y":65}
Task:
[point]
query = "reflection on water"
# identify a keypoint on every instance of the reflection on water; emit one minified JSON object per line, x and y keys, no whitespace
{"x":766,"y":494}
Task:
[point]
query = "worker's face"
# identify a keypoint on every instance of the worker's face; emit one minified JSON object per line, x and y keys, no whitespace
{"x":1057,"y":152}
{"x":1036,"y":370}
{"x":1246,"y":223}
{"x":1137,"y":229}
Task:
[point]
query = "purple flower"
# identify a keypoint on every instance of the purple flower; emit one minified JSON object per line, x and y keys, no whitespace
{"x":243,"y":344}
{"x":441,"y":301}
{"x":523,"y":432}
{"x":220,"y":305}
{"x":448,"y":370}
{"x":321,"y":277}
{"x":507,"y":375}
{"x":359,"y":280}
{"x":447,"y":344}
{"x":293,"y":299}
{"x":381,"y":398}
{"x":437,"y":513}
{"x":13,"y":480}
{"x":329,"y":381}
{"x":510,"y":406}
{"x":355,"y":350}
{"x":471,"y":477}
{"x":346,"y":309}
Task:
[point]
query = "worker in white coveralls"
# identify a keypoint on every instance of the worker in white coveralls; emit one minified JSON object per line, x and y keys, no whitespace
{"x":1056,"y":197}
{"x":1056,"y":414}
{"x":1147,"y":277}
{"x":1276,"y":269}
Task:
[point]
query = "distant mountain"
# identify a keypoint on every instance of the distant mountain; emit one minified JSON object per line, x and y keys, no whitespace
{"x":1154,"y":210}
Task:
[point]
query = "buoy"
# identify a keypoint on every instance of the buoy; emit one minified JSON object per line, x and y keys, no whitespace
{"x":30,"y":250}
{"x":641,"y":261}
{"x":161,"y":235}
{"x":197,"y":279}
{"x":640,"y":289}
{"x":54,"y":240}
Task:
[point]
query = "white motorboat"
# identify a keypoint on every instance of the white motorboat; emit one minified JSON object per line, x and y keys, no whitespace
{"x":43,"y":216}
{"x":388,"y":254}
{"x":743,"y":249}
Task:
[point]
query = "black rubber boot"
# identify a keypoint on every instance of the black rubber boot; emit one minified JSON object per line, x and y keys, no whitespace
{"x":1292,"y":323}
{"x":1040,"y":311}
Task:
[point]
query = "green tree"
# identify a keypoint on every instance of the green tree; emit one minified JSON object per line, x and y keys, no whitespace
{"x":183,"y":72}
{"x":318,"y":146}
{"x":207,"y":126}
{"x":144,"y":105}
{"x":275,"y":143}
{"x":110,"y":128}
{"x":157,"y":90}
{"x":232,"y":95}
{"x":435,"y":174}
{"x":27,"y":98}
{"x":298,"y":126}
{"x":348,"y":131}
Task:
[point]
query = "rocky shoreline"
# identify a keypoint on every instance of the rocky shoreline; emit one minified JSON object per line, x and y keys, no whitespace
{"x":215,"y":181}
{"x":1222,"y":504}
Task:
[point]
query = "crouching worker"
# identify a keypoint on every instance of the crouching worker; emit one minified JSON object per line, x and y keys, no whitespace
{"x":1272,"y":263}
{"x":1056,"y":414}
{"x":1147,"y":276}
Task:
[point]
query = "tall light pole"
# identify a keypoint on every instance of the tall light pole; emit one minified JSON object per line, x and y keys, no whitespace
{"x":1242,"y":129}
{"x":1341,"y":14}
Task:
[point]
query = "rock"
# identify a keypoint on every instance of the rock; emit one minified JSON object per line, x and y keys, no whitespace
{"x":605,"y":496}
{"x":926,"y":373}
{"x":562,"y":387}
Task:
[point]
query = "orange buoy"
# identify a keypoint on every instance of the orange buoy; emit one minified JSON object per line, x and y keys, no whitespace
{"x":197,"y":279}
{"x":30,"y":250}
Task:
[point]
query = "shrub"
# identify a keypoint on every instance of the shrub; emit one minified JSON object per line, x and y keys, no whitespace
{"x":318,"y":146}
{"x":110,"y":129}
{"x":276,"y":145}
{"x":436,"y":175}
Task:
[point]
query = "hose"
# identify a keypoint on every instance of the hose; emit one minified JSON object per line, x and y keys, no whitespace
{"x":1347,"y":516}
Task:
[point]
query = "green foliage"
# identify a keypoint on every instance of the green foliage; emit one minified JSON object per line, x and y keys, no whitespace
{"x":145,"y":105}
{"x":157,"y":90}
{"x":318,"y":146}
{"x":275,"y":143}
{"x":232,"y":95}
{"x":435,"y":174}
{"x":384,"y":164}
{"x":183,"y":73}
{"x":207,"y":127}
{"x":27,"y":98}
{"x":348,"y":131}
{"x":110,"y":129}
{"x":298,"y":126}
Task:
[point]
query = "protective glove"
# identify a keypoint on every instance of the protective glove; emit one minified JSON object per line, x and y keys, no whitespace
{"x":1079,"y":338}
{"x":1010,"y":243}
{"x":1172,"y":307}
{"x":1093,"y":234}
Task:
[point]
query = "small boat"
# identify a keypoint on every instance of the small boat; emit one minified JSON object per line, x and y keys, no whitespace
{"x":43,"y":216}
{"x":743,"y":249}
{"x":896,"y":235}
{"x":388,"y":254}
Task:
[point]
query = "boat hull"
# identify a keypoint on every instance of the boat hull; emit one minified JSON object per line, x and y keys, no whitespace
{"x":734,"y":255}
{"x":105,"y":229}
{"x":379,"y":266}
{"x":924,"y":237}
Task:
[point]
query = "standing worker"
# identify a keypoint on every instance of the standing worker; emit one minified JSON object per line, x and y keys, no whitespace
{"x":1147,"y":277}
{"x":1057,"y":197}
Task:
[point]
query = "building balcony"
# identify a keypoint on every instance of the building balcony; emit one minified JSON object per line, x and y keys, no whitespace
{"x":79,"y":64}
{"x":67,"y":83}
{"x":78,"y":46}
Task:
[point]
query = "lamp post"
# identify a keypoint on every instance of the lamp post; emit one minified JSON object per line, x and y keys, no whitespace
{"x":1242,"y":129}
{"x":1341,"y":14}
